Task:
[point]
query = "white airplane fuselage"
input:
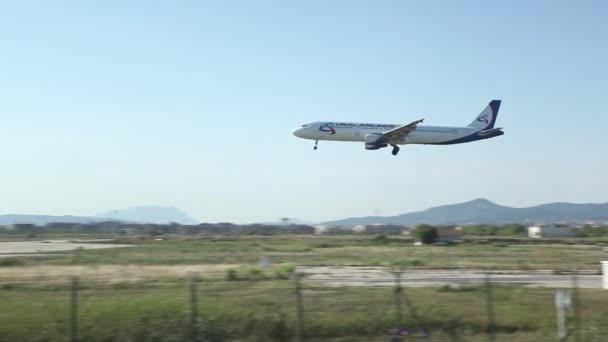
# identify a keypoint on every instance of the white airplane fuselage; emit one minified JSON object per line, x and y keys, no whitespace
{"x":357,"y":131}
{"x":377,"y":136}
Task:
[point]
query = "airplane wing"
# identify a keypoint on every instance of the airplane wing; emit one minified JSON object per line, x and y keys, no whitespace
{"x":401,"y":131}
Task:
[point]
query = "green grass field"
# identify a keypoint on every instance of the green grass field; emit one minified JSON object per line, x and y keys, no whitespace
{"x":260,"y":305}
{"x":335,"y":250}
{"x":265,"y":311}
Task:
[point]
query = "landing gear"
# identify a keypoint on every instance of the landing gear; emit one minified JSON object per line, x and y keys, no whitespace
{"x":316,"y":143}
{"x":395,"y":150}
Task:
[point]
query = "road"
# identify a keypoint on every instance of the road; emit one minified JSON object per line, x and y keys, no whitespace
{"x":379,"y":276}
{"x":38,"y":248}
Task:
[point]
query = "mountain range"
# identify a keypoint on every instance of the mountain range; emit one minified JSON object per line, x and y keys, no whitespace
{"x":475,"y":211}
{"x":140,"y":214}
{"x":484,"y":211}
{"x":149,"y":214}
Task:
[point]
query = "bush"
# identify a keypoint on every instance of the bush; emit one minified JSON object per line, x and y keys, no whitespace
{"x":232,"y":275}
{"x":407,"y":262}
{"x":283,"y":271}
{"x":10,"y":262}
{"x":381,"y":239}
{"x":255,"y":273}
{"x":450,"y":288}
{"x":425,"y":233}
{"x":246,"y":273}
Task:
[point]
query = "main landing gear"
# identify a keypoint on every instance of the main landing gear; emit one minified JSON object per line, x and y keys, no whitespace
{"x":316,"y":143}
{"x":395,"y":150}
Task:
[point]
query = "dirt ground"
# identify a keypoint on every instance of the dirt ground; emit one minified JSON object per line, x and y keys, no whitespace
{"x":107,"y":273}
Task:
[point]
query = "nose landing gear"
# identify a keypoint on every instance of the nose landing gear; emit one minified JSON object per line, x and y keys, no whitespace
{"x":316,"y":143}
{"x":395,"y":150}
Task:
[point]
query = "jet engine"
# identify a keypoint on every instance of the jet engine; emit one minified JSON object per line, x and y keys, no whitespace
{"x":375,"y":141}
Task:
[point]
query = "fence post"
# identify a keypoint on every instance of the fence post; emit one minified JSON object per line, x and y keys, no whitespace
{"x":577,"y":307}
{"x":299,"y":309}
{"x":420,"y":325}
{"x":74,"y":309}
{"x":398,"y":300}
{"x":193,"y":307}
{"x":490,"y":309}
{"x":562,"y":302}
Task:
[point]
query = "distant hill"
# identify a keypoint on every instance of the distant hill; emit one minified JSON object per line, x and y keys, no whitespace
{"x":484,"y":211}
{"x":289,"y":221}
{"x":7,"y":220}
{"x":141,"y":214}
{"x":149,"y":214}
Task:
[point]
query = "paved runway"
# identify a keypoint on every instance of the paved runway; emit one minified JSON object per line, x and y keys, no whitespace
{"x":38,"y":248}
{"x":378,"y":276}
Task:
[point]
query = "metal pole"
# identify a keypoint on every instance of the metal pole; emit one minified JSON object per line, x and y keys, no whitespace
{"x":490,"y":309}
{"x":562,"y":300}
{"x":577,"y":307}
{"x":74,"y":309}
{"x":398,"y":300}
{"x":193,"y":307}
{"x":299,"y":309}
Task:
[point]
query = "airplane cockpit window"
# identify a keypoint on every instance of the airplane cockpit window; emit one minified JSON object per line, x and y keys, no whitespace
{"x":304,"y":126}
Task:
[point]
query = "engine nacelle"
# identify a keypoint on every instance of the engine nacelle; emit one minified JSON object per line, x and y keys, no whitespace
{"x":375,"y":141}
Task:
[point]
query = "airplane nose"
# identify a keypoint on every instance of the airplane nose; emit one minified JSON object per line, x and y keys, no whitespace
{"x":297,"y":132}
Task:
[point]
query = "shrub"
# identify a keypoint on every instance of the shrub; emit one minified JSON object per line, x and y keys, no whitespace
{"x":326,"y":245}
{"x":407,"y":262}
{"x":232,"y":275}
{"x":381,"y":239}
{"x":425,"y":233}
{"x":254,"y":273}
{"x":283,"y":271}
{"x":450,"y":288}
{"x":10,"y":262}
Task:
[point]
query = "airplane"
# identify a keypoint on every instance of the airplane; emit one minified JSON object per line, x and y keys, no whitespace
{"x":377,"y":136}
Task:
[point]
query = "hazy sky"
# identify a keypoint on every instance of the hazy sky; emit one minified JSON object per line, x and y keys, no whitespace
{"x":110,"y":104}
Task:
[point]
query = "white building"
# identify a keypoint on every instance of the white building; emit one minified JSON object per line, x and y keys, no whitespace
{"x":550,"y":232}
{"x":332,"y":229}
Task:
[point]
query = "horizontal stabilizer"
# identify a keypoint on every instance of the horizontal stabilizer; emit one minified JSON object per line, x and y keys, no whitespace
{"x":493,"y":131}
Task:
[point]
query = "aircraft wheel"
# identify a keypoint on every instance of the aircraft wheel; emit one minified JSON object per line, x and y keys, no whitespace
{"x":395,"y":150}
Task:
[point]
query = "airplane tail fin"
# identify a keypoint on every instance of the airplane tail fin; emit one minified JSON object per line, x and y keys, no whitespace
{"x":487,"y":118}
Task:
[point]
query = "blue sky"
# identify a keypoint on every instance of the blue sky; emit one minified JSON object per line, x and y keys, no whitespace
{"x":111,"y":104}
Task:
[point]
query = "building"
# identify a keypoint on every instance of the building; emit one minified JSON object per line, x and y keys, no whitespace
{"x":551,"y":231}
{"x":448,"y":235}
{"x":333,"y":229}
{"x":378,"y":228}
